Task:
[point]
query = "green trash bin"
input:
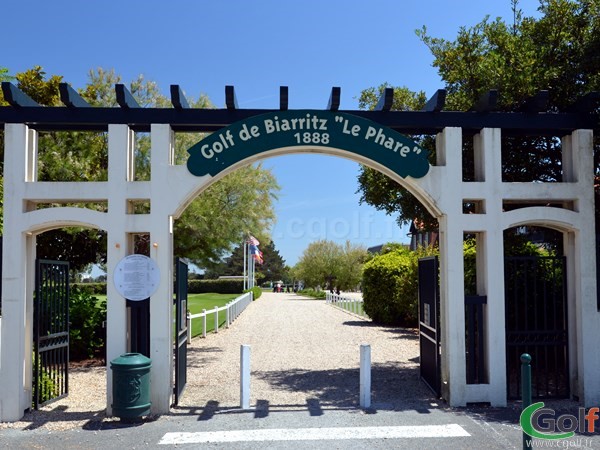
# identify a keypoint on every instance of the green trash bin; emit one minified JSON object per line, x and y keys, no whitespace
{"x":131,"y":385}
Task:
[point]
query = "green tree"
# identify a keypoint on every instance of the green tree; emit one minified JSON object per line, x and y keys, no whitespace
{"x":327,"y":264}
{"x":319,"y":264}
{"x":559,"y":51}
{"x":211,"y":225}
{"x":350,"y":268}
{"x":273,"y":267}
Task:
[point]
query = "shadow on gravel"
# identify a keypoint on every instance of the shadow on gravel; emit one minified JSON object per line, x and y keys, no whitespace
{"x":200,"y":356}
{"x":393,"y":386}
{"x":402,"y":333}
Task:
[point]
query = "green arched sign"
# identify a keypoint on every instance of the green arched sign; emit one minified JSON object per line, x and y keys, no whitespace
{"x":313,"y":128}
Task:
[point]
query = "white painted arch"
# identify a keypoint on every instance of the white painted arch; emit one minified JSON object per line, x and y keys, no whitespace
{"x":171,"y":188}
{"x":420,"y":190}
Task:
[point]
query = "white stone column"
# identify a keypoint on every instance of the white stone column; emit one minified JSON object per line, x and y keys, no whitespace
{"x":490,"y":269}
{"x":161,"y":250}
{"x":17,"y":276}
{"x":120,"y":148}
{"x":583,"y":254}
{"x":452,"y":314}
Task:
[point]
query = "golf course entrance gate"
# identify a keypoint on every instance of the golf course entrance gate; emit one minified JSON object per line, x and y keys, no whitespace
{"x":181,"y":327}
{"x":51,"y":332}
{"x":429,"y":324}
{"x":377,"y":139}
{"x":537,"y":323}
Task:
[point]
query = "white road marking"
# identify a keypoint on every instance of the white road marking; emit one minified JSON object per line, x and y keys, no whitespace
{"x":316,"y":434}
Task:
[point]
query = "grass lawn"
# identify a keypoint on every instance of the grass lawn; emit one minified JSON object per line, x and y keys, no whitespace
{"x":198,"y":302}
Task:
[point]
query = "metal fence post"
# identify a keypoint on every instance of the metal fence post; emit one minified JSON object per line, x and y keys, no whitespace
{"x":216,"y":319}
{"x":227,"y":314}
{"x":526,"y":393}
{"x":204,"y":323}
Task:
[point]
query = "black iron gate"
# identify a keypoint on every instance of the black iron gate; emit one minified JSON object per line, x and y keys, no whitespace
{"x":429,"y":323}
{"x":536,"y":323}
{"x":181,"y":294}
{"x":51,"y":332}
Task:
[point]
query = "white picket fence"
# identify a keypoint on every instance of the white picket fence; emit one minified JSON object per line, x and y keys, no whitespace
{"x":350,"y":304}
{"x":233,"y":309}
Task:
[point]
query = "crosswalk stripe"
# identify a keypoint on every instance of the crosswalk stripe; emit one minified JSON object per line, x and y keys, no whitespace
{"x":314,"y":434}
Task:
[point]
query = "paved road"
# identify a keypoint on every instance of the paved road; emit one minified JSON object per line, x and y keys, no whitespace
{"x":418,"y":421}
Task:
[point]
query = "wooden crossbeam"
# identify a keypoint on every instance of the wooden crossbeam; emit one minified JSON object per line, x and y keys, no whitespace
{"x":178,"y":99}
{"x":334,"y":99}
{"x":283,"y":98}
{"x":586,"y":104}
{"x":386,"y":100}
{"x":16,"y":97}
{"x":487,"y":102}
{"x":537,"y":103}
{"x":124,"y":97}
{"x":437,"y":101}
{"x":230,"y":100}
{"x":70,"y":97}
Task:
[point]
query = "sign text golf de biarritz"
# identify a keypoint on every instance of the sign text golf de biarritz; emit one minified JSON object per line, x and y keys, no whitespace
{"x":302,"y":128}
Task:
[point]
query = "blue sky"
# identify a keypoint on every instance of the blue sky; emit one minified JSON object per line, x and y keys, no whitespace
{"x":257,"y":46}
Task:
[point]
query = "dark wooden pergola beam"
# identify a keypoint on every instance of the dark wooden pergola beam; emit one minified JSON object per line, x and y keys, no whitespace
{"x":178,"y":99}
{"x":16,"y":97}
{"x":334,"y":99}
{"x":586,"y":104}
{"x":283,"y":98}
{"x":124,"y":97}
{"x":487,"y":102}
{"x":386,"y":100}
{"x":70,"y":97}
{"x":230,"y":100}
{"x":437,"y":101}
{"x":537,"y":103}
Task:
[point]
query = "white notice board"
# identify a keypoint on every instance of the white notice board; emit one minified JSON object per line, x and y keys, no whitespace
{"x":136,"y":277}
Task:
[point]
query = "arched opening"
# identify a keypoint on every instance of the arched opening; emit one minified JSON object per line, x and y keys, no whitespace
{"x":313,"y":379}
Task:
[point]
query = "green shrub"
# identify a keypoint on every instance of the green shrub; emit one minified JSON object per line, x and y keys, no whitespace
{"x":47,"y":388}
{"x":313,"y":293}
{"x":92,"y":288}
{"x":86,"y":314}
{"x":390,"y":287}
{"x":256,"y":292}
{"x":216,"y":286}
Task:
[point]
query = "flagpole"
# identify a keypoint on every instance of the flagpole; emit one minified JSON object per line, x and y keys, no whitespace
{"x":245,"y":281}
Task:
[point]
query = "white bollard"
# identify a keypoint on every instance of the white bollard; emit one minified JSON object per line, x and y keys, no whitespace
{"x":245,"y":376}
{"x":188,"y":319}
{"x":365,"y":376}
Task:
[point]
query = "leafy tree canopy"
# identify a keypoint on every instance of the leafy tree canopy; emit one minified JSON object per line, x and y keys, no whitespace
{"x":327,"y":264}
{"x":273,"y":267}
{"x":212,"y":223}
{"x":559,"y":52}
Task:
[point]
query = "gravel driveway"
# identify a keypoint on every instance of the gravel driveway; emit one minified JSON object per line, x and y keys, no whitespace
{"x":304,"y":354}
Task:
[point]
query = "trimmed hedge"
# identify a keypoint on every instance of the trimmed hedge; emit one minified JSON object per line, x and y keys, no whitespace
{"x":320,"y":295}
{"x":390,"y":287}
{"x":256,"y":292}
{"x":216,"y":286}
{"x":194,"y":287}
{"x":91,"y":288}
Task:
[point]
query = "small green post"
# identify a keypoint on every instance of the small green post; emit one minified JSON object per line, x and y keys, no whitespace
{"x":526,"y":393}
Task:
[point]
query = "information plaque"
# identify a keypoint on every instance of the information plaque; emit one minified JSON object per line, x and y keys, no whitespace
{"x":136,"y":277}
